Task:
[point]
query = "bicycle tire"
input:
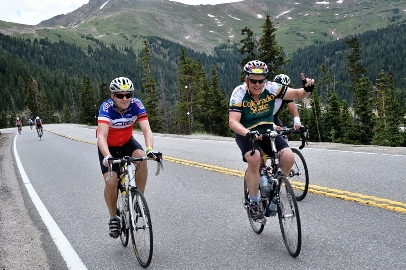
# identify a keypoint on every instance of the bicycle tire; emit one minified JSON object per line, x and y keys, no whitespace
{"x":122,"y":209}
{"x":258,"y":227}
{"x":141,"y":234}
{"x":289,"y":217}
{"x":299,"y":175}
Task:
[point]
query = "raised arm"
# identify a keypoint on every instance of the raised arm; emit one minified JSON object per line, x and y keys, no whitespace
{"x":300,"y":93}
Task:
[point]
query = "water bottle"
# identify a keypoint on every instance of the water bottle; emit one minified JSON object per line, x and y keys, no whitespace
{"x":273,"y":206}
{"x":269,"y":184}
{"x":263,"y":182}
{"x":122,"y":185}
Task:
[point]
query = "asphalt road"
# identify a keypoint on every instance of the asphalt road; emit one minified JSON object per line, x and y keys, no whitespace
{"x":197,"y":214}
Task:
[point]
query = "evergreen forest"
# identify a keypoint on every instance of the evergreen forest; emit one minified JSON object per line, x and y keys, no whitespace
{"x":358,"y":98}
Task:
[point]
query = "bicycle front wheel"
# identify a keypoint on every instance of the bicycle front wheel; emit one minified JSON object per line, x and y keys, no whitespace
{"x":258,"y":227}
{"x":299,"y":175}
{"x":289,"y":218}
{"x":141,"y":228}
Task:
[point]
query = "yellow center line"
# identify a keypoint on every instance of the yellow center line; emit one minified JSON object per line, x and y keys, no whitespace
{"x":383,"y":203}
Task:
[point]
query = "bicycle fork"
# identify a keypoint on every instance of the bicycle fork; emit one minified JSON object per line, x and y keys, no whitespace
{"x":135,"y":215}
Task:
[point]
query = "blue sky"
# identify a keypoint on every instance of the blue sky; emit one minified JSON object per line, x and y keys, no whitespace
{"x":33,"y":12}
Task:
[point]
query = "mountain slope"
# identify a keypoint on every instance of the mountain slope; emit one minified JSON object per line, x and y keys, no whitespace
{"x":203,"y":27}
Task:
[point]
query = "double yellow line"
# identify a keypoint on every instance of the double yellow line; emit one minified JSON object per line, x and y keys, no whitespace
{"x":315,"y":189}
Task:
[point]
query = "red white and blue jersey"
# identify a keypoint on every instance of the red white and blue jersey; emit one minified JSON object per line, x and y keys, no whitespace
{"x":121,"y":124}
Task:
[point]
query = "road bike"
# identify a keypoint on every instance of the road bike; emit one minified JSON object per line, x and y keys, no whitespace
{"x":277,"y":197}
{"x":132,"y":207}
{"x":40,"y":133}
{"x":19,"y":129}
{"x":299,"y":174}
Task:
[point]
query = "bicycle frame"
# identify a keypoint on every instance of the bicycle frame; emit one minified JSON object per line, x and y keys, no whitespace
{"x":129,"y":185}
{"x":130,"y":172}
{"x":132,"y":207}
{"x":286,"y":205}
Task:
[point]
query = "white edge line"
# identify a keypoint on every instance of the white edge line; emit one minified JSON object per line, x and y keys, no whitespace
{"x":68,"y":253}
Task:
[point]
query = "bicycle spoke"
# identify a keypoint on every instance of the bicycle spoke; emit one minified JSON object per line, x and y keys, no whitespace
{"x":141,"y":229}
{"x":299,"y":175}
{"x":289,"y":218}
{"x":257,"y":226}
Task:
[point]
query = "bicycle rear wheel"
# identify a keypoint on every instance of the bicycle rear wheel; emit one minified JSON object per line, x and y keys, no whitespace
{"x":258,"y":227}
{"x":299,"y":175}
{"x":289,"y":218}
{"x":122,"y":209}
{"x":141,"y":228}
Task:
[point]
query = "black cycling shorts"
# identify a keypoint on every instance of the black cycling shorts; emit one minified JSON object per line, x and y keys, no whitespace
{"x":118,"y":152}
{"x":245,"y":145}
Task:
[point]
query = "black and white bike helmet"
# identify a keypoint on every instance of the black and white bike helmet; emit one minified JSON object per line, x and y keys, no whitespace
{"x":121,"y":84}
{"x":255,"y":67}
{"x":282,"y":79}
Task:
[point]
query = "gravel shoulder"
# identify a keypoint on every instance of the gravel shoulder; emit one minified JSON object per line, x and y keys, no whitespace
{"x":25,"y":241}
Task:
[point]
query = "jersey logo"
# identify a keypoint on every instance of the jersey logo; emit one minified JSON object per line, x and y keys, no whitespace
{"x":139,"y":104}
{"x":107,"y":105}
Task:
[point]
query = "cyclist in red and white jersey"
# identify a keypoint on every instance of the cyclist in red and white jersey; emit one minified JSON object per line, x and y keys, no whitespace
{"x":116,"y":120}
{"x":19,"y":124}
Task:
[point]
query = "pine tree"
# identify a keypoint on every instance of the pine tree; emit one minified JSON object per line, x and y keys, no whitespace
{"x":151,"y":101}
{"x":347,"y":124}
{"x":332,"y":126}
{"x":389,"y":112}
{"x":326,"y":84}
{"x":214,"y":107}
{"x":188,"y":92}
{"x":104,"y":92}
{"x":362,"y":92}
{"x":31,"y":94}
{"x":315,"y":121}
{"x":88,"y":110}
{"x":248,"y":48}
{"x":268,"y":50}
{"x":66,"y":116}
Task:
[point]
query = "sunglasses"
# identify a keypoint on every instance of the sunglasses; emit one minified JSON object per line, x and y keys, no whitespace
{"x":256,"y":81}
{"x":121,"y":96}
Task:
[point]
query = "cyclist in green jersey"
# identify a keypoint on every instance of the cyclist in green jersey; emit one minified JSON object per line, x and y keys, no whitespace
{"x":251,"y":113}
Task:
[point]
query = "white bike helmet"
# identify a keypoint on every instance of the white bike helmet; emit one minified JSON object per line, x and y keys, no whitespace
{"x":37,"y":117}
{"x":282,"y":79}
{"x":121,"y":84}
{"x":255,"y":67}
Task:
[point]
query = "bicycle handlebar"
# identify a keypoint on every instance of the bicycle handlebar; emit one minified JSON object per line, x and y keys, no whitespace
{"x":158,"y":159}
{"x":276,"y":133}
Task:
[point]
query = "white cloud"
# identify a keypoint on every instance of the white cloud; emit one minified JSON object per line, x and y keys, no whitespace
{"x":33,"y":12}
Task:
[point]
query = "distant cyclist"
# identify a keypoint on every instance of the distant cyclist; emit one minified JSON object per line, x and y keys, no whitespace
{"x":30,"y":123}
{"x":38,"y":124}
{"x":279,"y":104}
{"x":19,"y":124}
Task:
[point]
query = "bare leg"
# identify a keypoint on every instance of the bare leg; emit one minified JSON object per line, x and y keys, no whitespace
{"x":286,"y":158}
{"x":252,"y":175}
{"x":142,"y":172}
{"x":110,"y":193}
